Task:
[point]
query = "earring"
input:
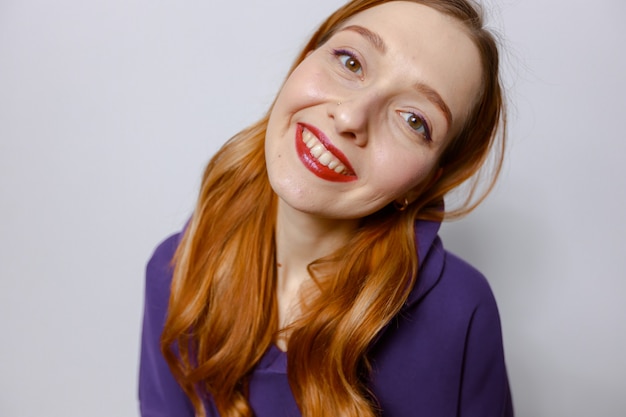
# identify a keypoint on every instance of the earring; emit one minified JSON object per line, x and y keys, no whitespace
{"x":401,"y":206}
{"x":338,"y":103}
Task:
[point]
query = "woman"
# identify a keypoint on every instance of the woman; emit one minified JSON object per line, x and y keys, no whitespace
{"x":314,"y":247}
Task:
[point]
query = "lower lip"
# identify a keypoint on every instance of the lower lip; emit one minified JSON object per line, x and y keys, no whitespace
{"x":309,"y":161}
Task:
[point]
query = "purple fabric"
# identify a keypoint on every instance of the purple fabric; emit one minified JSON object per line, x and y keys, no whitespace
{"x":441,"y":356}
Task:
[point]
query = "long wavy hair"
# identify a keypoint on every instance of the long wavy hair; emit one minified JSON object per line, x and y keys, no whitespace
{"x":223,"y":315}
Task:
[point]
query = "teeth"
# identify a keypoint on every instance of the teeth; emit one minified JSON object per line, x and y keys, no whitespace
{"x":309,"y":139}
{"x":322,"y":154}
{"x":318,"y":150}
{"x":325,"y":158}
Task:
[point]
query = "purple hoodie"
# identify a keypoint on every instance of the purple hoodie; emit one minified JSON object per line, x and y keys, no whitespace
{"x":441,"y":356}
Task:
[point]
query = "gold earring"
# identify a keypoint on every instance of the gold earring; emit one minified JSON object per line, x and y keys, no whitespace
{"x":401,"y":206}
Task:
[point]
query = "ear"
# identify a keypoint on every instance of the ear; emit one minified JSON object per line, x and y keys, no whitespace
{"x":425,"y":185}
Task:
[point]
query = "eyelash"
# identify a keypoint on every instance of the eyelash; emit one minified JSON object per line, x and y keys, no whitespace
{"x":351,"y":57}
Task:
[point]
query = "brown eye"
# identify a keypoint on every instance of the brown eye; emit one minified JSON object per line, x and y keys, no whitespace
{"x":351,"y":63}
{"x":416,"y":123}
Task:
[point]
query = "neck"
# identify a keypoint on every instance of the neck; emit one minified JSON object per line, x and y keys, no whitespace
{"x":302,"y":238}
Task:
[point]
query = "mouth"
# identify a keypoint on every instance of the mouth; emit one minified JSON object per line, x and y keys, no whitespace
{"x":321,"y":157}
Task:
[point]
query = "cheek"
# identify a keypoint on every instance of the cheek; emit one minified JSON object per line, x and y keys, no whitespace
{"x":306,"y":86}
{"x":404,"y":171}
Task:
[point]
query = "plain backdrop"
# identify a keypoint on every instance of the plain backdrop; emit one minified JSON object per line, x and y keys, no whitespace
{"x":109,"y":109}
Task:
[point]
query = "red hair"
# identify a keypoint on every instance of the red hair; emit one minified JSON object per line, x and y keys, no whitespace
{"x":222,"y":314}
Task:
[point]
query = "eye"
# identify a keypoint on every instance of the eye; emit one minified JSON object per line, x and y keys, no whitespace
{"x":417,"y":123}
{"x":349,"y":61}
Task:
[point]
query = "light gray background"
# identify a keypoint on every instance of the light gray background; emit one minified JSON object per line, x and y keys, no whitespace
{"x":109,"y":110}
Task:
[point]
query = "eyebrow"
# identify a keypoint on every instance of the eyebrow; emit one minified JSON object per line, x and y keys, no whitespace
{"x":429,"y":92}
{"x":436,"y":99}
{"x":372,"y":37}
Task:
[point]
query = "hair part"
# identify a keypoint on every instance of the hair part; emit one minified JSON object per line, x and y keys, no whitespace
{"x":222,"y":314}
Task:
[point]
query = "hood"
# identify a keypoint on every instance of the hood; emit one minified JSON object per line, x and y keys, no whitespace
{"x":430,"y":255}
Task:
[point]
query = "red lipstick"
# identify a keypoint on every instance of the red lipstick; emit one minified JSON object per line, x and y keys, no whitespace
{"x":312,"y":163}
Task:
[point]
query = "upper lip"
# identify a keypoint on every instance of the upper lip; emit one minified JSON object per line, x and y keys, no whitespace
{"x":328,"y":145}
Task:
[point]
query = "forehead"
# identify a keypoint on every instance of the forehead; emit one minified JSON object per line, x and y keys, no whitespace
{"x":425,"y":45}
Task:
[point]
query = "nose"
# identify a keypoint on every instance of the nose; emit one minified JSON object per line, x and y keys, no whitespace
{"x":351,"y":119}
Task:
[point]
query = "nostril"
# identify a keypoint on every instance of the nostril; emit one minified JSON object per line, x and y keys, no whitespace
{"x":348,"y":133}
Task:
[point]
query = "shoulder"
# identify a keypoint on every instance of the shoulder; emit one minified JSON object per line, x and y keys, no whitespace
{"x":450,"y":298}
{"x":473,"y":313}
{"x":159,"y":272}
{"x":464,"y":283}
{"x":159,"y":393}
{"x":164,"y":252}
{"x":448,"y":287}
{"x":443,"y":353}
{"x":471,"y":307}
{"x":461,"y":299}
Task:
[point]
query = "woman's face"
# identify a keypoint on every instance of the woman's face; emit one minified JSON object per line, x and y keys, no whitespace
{"x":364,"y":118}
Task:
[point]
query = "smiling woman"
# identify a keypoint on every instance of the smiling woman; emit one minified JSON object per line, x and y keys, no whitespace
{"x":310,"y":279}
{"x":387,"y":71}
